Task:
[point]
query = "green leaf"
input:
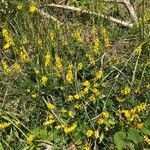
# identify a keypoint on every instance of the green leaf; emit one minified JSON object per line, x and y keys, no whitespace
{"x":119,"y":139}
{"x":145,"y":131}
{"x":134,"y":136}
{"x":1,"y":146}
{"x":147,"y":123}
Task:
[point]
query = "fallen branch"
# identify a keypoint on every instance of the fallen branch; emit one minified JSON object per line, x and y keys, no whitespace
{"x":45,"y":14}
{"x":72,"y":8}
{"x":128,"y":6}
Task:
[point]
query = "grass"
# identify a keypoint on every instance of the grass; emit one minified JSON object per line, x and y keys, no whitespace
{"x":83,"y":83}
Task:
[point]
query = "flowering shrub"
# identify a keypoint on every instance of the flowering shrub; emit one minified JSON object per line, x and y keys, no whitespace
{"x":64,"y":83}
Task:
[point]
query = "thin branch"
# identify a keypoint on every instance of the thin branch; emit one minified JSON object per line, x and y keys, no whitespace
{"x":45,"y":14}
{"x":72,"y":8}
{"x":128,"y":6}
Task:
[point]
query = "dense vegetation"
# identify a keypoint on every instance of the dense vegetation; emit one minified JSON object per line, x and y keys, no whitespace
{"x":73,"y":80}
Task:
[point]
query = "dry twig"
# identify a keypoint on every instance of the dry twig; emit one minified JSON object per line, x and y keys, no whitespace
{"x":72,"y":8}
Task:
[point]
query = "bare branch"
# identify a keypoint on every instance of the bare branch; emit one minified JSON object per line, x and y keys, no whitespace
{"x":45,"y":14}
{"x":128,"y":6}
{"x":72,"y":8}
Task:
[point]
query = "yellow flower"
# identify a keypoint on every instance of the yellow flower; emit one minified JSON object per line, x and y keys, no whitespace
{"x":58,"y":62}
{"x":17,"y":67}
{"x":39,"y":43}
{"x":44,"y":80}
{"x":69,"y":76}
{"x":6,"y":68}
{"x":77,"y":96}
{"x":34,"y":95}
{"x":95,"y":91}
{"x":138,"y":50}
{"x":4,"y":125}
{"x":70,"y":98}
{"x":96,"y":134}
{"x":52,"y":35}
{"x":91,"y":59}
{"x":139,"y":125}
{"x":86,"y":83}
{"x":50,"y":106}
{"x":36,"y":70}
{"x":98,"y":75}
{"x":19,"y":6}
{"x":101,"y":121}
{"x":63,"y":110}
{"x":47,"y":59}
{"x":92,"y":98}
{"x":105,"y":115}
{"x":24,"y":57}
{"x":49,"y":122}
{"x":105,"y":37}
{"x":146,"y":139}
{"x":33,"y":8}
{"x":89,"y":133}
{"x":31,"y":137}
{"x":96,"y":47}
{"x":126,"y":90}
{"x":71,"y":114}
{"x":78,"y":106}
{"x":59,"y":127}
{"x":85,"y":90}
{"x":70,"y":128}
{"x":79,"y":66}
{"x":78,"y":37}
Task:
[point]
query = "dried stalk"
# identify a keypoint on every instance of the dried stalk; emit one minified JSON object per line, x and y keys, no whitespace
{"x":72,"y":8}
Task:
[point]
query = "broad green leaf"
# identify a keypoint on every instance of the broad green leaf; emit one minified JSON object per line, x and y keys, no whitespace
{"x":119,"y":139}
{"x":134,"y":136}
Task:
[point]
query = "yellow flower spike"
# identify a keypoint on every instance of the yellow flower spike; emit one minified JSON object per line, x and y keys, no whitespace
{"x":31,"y":137}
{"x":100,"y":121}
{"x":36,"y":70}
{"x":98,"y":75}
{"x":33,"y":8}
{"x":89,"y":133}
{"x":79,"y":66}
{"x":47,"y":59}
{"x":6,"y":68}
{"x":146,"y":139}
{"x":105,"y":36}
{"x":138,"y":50}
{"x":58,"y":62}
{"x":92,"y":98}
{"x":78,"y":37}
{"x":96,"y":47}
{"x":86,"y":90}
{"x":70,"y":98}
{"x":139,"y":125}
{"x":4,"y":125}
{"x":71,"y":114}
{"x":95,"y":91}
{"x":70,"y":129}
{"x":96,"y":134}
{"x":50,"y":106}
{"x":19,"y":6}
{"x":24,"y":57}
{"x":105,"y":115}
{"x":49,"y":122}
{"x":34,"y":95}
{"x":63,"y":110}
{"x":77,"y":96}
{"x":126,"y":90}
{"x":44,"y":80}
{"x":69,"y":76}
{"x":17,"y":67}
{"x":86,"y":84}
